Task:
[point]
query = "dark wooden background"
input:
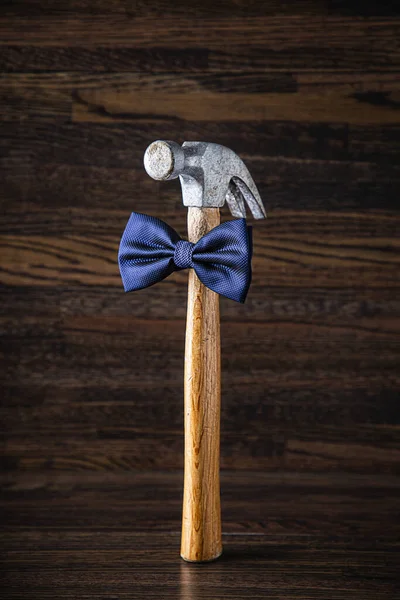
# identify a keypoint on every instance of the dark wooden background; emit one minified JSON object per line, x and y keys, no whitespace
{"x":308,"y":94}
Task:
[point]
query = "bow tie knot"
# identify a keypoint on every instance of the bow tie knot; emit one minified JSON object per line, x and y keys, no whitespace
{"x":150,"y":250}
{"x":183,"y":255}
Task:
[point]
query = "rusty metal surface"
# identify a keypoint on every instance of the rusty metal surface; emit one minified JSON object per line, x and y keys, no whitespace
{"x":210,"y":175}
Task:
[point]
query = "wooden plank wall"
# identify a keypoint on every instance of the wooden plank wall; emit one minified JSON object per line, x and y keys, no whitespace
{"x":308,"y":93}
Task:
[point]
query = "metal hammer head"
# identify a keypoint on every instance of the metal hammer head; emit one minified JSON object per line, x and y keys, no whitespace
{"x":210,"y":174}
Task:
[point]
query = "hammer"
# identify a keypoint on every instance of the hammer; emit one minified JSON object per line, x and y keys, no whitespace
{"x":210,"y":174}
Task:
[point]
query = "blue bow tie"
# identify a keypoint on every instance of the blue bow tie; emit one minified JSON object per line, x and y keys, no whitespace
{"x":150,"y":250}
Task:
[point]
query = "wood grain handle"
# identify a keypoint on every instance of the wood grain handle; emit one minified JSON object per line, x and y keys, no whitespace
{"x":201,"y":519}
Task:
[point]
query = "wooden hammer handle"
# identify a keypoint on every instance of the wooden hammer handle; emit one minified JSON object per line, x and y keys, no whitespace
{"x":201,"y":520}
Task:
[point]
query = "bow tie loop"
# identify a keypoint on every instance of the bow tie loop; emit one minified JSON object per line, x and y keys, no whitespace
{"x":183,"y":254}
{"x":150,"y":250}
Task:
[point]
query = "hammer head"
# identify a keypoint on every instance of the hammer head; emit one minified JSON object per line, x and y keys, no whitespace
{"x":210,"y":174}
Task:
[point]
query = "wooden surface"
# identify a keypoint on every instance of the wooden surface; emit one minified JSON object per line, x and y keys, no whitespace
{"x":307,"y":93}
{"x":116,"y":535}
{"x":201,"y":515}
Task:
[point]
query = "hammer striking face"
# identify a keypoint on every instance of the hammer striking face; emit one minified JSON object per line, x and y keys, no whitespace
{"x":210,"y":174}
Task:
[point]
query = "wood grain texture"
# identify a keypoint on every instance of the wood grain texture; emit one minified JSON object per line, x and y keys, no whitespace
{"x":344,"y":34}
{"x":201,"y":515}
{"x":101,"y":535}
{"x":294,"y":259}
{"x":207,"y":8}
{"x":307,"y":93}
